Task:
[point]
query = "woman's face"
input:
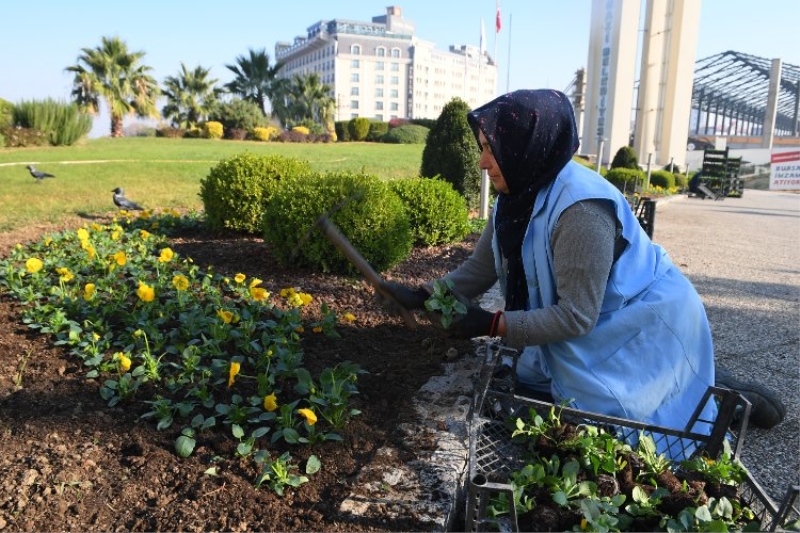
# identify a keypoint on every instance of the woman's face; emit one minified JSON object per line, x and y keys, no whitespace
{"x":489,"y":163}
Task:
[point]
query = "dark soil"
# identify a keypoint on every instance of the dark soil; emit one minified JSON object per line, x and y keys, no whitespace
{"x":71,"y":463}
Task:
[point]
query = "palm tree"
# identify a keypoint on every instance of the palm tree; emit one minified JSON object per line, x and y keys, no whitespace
{"x":191,"y":96}
{"x":111,"y":72}
{"x":312,"y":100}
{"x":254,"y":78}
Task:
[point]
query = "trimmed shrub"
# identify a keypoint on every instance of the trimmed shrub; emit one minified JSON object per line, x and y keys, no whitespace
{"x":301,"y":129}
{"x":236,"y":115}
{"x":358,"y":128}
{"x":377,"y":129}
{"x":363,"y":207}
{"x":235,"y":189}
{"x":424,"y":122}
{"x":213,"y":129}
{"x":406,"y":134}
{"x":194,"y":133}
{"x":22,"y":137}
{"x":342,"y":131}
{"x":625,"y":179}
{"x":662,"y":178}
{"x":452,"y":153}
{"x":437,"y":213}
{"x":625,"y":158}
{"x":265,"y":134}
{"x":681,"y":181}
{"x":395,"y":122}
{"x":171,"y":133}
{"x":6,"y":113}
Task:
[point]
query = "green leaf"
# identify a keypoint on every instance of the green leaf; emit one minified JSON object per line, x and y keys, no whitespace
{"x":184,"y":446}
{"x":313,"y":465}
{"x":237,"y":431}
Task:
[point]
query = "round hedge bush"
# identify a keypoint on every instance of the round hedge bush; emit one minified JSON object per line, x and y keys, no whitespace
{"x":625,"y":179}
{"x":437,"y":213}
{"x":235,"y":189}
{"x":662,"y":178}
{"x":364,"y":208}
{"x":406,"y":134}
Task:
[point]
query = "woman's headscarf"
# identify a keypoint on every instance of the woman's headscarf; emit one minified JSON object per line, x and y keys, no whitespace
{"x":532,"y":135}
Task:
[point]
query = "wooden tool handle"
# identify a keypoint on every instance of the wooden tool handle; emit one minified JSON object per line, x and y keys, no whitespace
{"x":340,"y":241}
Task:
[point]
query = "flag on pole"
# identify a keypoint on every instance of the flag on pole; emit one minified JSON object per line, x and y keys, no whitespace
{"x":483,"y":38}
{"x":498,"y":24}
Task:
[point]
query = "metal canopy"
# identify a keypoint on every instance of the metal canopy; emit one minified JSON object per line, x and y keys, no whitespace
{"x":735,"y":86}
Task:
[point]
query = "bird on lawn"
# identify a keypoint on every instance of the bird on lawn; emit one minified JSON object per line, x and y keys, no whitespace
{"x":123,"y":203}
{"x":38,"y":174}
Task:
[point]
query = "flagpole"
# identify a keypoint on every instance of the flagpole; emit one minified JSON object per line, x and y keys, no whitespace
{"x":508,"y":67}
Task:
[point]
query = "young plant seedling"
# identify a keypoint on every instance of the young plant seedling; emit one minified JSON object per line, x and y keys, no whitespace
{"x":444,"y":301}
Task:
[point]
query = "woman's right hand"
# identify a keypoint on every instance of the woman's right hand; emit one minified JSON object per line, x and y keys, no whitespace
{"x":398,"y":293}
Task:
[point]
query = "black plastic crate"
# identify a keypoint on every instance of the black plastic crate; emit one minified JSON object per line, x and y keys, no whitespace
{"x":493,"y":455}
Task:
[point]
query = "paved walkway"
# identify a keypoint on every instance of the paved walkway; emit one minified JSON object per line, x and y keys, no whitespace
{"x":743,"y":256}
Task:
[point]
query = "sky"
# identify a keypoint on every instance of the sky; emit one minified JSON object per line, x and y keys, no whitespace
{"x":541,"y":42}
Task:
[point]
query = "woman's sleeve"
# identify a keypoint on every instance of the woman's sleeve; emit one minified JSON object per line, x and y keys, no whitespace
{"x":583,"y":253}
{"x":477,"y":274}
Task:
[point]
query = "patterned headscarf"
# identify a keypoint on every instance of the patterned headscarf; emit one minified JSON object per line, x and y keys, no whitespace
{"x":532,"y":135}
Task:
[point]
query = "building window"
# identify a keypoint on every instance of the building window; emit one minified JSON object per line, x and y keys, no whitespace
{"x":394,"y":93}
{"x":395,"y":80}
{"x":379,"y":106}
{"x":355,"y":50}
{"x":395,"y":52}
{"x":380,"y":51}
{"x":353,"y":115}
{"x":379,"y":92}
{"x":354,"y":63}
{"x":353,"y":91}
{"x":354,"y":77}
{"x":379,"y":65}
{"x":395,"y":67}
{"x":353,"y":104}
{"x":379,"y":117}
{"x":395,"y":106}
{"x":379,"y":79}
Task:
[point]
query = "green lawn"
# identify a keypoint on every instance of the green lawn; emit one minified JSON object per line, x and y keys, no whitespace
{"x":159,"y":173}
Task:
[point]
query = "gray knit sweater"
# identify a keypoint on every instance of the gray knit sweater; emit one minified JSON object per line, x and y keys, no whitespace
{"x":585,"y":243}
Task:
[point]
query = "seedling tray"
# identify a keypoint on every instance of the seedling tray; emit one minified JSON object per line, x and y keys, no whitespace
{"x":493,"y":456}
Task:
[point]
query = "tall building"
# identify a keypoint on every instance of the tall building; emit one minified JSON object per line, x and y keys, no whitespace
{"x":382,"y":70}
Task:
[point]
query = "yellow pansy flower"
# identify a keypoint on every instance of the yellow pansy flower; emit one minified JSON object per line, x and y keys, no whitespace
{"x":97,"y":227}
{"x":309,"y":415}
{"x":259,"y":294}
{"x":317,"y":329}
{"x":64,"y":274}
{"x":120,"y":258}
{"x":226,"y":316}
{"x":305,"y":298}
{"x":299,"y":329}
{"x":239,"y":278}
{"x":88,"y":291}
{"x":124,"y":361}
{"x":48,"y":241}
{"x":144,"y":234}
{"x":145,"y":292}
{"x":180,"y":282}
{"x":33,"y":265}
{"x":83,"y":235}
{"x":349,"y":317}
{"x":255,"y":282}
{"x":90,"y":251}
{"x":233,"y":372}
{"x":166,"y":255}
{"x":270,"y":402}
{"x":114,"y":235}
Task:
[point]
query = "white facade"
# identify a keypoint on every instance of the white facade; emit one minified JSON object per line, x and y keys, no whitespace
{"x":381,"y":70}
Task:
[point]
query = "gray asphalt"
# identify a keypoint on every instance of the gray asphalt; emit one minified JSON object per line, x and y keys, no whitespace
{"x":743,"y":257}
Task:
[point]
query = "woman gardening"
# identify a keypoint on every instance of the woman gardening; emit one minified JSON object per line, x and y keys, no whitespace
{"x":601,"y":315}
